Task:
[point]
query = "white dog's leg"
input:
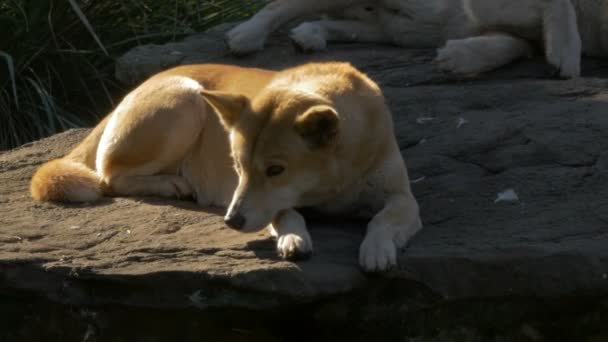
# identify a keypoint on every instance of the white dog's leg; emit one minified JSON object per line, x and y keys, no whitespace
{"x":562,"y":39}
{"x":556,"y":18}
{"x":482,"y":53}
{"x":293,"y":239}
{"x":389,"y":230}
{"x":313,"y":36}
{"x":250,"y":36}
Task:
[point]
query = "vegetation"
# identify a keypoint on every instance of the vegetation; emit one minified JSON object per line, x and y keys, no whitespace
{"x":57,"y":56}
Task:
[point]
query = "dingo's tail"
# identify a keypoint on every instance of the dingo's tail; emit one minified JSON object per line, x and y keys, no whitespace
{"x":65,"y":180}
{"x":71,"y":178}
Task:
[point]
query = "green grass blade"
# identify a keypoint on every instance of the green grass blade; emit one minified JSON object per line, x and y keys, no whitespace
{"x":11,"y":72}
{"x":87,"y":24}
{"x":47,"y":103}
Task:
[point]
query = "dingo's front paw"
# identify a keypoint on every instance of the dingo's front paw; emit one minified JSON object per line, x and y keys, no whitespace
{"x":568,"y":63}
{"x":309,"y":37}
{"x":458,"y":57}
{"x":247,"y":37}
{"x":294,"y":246}
{"x":377,"y":253}
{"x":563,"y":46}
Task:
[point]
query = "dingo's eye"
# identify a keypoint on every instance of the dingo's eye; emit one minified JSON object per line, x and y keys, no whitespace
{"x":274,"y":170}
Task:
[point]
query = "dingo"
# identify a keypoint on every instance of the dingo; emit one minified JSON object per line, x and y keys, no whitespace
{"x":317,"y":135}
{"x":479,"y":35}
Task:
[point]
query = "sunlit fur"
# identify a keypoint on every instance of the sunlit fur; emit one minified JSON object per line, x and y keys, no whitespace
{"x":213,"y":132}
{"x":66,"y":181}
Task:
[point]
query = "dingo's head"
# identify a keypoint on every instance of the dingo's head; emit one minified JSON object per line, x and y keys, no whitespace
{"x":282,"y":145}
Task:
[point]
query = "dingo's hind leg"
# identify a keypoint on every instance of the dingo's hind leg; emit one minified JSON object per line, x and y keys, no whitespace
{"x":157,"y":185}
{"x":149,"y":135}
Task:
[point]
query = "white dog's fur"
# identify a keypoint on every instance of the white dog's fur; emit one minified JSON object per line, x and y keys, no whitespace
{"x":475,"y":35}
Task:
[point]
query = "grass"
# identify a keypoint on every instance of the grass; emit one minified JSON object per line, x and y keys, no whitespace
{"x":57,"y":56}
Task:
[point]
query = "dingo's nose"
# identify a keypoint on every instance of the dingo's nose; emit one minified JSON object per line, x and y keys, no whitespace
{"x":236,"y":221}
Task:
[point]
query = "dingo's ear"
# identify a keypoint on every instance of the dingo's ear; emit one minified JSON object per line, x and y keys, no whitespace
{"x":228,"y":106}
{"x":319,"y":125}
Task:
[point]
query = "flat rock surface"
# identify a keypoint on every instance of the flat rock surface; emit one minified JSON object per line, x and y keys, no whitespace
{"x":516,"y":131}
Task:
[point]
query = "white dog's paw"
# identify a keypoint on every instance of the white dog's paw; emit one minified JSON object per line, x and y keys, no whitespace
{"x":247,"y":37}
{"x":309,"y":37}
{"x":377,"y":253}
{"x":460,"y":57}
{"x":294,"y":247}
{"x":567,"y":63}
{"x":571,"y":68}
{"x":563,"y":48}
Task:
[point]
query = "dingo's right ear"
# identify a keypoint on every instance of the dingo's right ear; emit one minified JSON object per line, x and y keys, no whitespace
{"x":319,"y":125}
{"x":228,"y":106}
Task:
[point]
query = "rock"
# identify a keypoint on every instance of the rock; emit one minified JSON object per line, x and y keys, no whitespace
{"x":516,"y":128}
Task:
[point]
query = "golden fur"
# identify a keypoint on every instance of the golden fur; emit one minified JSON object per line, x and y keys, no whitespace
{"x":262,"y":143}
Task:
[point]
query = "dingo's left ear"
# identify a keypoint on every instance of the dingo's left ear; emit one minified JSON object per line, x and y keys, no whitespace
{"x":319,"y":125}
{"x":228,"y":106}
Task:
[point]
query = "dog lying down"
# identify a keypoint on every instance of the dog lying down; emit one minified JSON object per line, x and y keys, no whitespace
{"x":475,"y":35}
{"x":259,"y":142}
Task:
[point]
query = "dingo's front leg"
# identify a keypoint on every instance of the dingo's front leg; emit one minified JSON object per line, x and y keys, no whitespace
{"x":389,"y":230}
{"x":293,"y":239}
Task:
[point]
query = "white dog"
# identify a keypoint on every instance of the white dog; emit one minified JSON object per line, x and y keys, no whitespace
{"x":476,"y":35}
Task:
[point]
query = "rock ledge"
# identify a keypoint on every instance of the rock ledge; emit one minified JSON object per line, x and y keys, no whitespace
{"x":464,"y":141}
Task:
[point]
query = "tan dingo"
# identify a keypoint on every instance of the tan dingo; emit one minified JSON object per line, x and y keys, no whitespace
{"x":318,"y":135}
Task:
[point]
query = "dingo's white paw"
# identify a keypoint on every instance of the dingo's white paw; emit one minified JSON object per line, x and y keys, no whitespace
{"x":377,"y":253}
{"x":458,"y":57}
{"x":568,"y":63}
{"x":247,"y":37}
{"x":563,"y":49}
{"x":309,"y":37}
{"x":294,"y":247}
